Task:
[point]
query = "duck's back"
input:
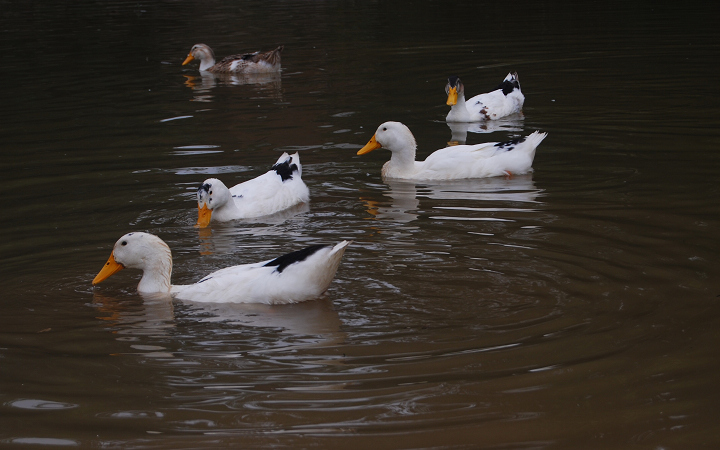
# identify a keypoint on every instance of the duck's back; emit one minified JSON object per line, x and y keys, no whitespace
{"x":279,"y":188}
{"x":482,"y":160}
{"x":495,"y":104}
{"x":257,"y":62}
{"x":291,"y":278}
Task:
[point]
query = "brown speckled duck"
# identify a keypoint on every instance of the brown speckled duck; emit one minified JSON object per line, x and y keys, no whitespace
{"x":246,"y":63}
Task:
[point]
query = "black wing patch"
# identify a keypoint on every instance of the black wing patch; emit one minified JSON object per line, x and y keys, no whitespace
{"x":250,"y":56}
{"x":291,"y":258}
{"x":285,"y":169}
{"x":509,"y":145}
{"x":508,"y":86}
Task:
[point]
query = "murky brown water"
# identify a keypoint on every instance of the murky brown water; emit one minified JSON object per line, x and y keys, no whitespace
{"x":576,"y":307}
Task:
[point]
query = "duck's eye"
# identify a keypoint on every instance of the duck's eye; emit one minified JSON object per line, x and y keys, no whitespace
{"x":210,"y":192}
{"x":384,"y":128}
{"x":123,"y":243}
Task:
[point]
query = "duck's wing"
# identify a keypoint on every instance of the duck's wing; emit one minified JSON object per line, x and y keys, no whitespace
{"x":492,"y":105}
{"x":225,"y":285}
{"x":271,"y":57}
{"x":278,"y":188}
{"x":458,"y":153}
{"x":251,"y":62}
{"x":506,"y":99}
{"x":293,"y":277}
{"x":464,"y":161}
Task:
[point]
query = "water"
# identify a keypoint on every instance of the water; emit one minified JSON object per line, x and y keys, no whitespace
{"x":575,"y":307}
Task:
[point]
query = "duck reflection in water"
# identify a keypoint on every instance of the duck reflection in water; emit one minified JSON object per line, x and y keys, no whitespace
{"x":266,"y":85}
{"x":402,"y":206}
{"x":460,"y":130}
{"x":402,"y":198}
{"x":148,"y":314}
{"x":226,"y":237}
{"x":316,"y":317}
{"x":153,"y":315}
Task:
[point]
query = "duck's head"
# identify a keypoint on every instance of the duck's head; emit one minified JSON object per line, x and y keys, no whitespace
{"x":200,"y":52}
{"x":135,"y":251}
{"x":393,"y":136}
{"x":211,"y":194}
{"x":453,"y":89}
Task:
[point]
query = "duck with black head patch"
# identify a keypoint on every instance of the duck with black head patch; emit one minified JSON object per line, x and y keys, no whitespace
{"x":505,"y":100}
{"x":257,"y":62}
{"x":294,"y":277}
{"x":280,"y":188}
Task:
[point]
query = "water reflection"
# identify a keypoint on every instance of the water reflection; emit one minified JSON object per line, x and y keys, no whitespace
{"x":460,"y":130}
{"x":154,"y":315}
{"x":268,"y":85}
{"x":316,"y":317}
{"x":404,"y":196}
{"x":402,"y":206}
{"x":49,"y":442}
{"x":222,"y":237}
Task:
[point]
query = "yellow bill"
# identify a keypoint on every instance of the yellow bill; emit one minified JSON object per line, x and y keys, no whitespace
{"x":370,"y":146}
{"x":110,"y":268}
{"x":204,"y":215}
{"x":188,"y":59}
{"x":452,"y":96}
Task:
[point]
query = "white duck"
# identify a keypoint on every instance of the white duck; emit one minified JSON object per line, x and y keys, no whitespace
{"x":243,"y":63}
{"x":506,"y":99}
{"x":460,"y":161}
{"x":291,"y":278}
{"x":279,"y":188}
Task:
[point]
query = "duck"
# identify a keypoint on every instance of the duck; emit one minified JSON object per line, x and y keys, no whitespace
{"x":506,"y":99}
{"x":278,"y":189}
{"x":291,"y":278}
{"x":490,"y":159}
{"x":258,"y":62}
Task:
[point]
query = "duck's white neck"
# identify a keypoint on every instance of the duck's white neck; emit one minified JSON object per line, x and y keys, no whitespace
{"x":402,"y":163}
{"x":207,"y":63}
{"x":458,"y":111}
{"x":157,"y":270}
{"x":227,"y":211}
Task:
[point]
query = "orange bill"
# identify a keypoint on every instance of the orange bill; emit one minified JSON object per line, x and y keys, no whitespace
{"x":110,"y":268}
{"x":370,"y":146}
{"x":452,"y":97}
{"x":188,"y":59}
{"x":204,"y":214}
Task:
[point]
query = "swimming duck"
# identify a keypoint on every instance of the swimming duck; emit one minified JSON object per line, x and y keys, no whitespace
{"x":506,"y":99}
{"x":279,"y":188}
{"x":460,"y":161}
{"x":294,"y":277}
{"x":245,"y":63}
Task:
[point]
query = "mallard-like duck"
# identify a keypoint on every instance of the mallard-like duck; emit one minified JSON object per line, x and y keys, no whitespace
{"x":506,"y":99}
{"x":460,"y":161}
{"x":294,"y":277}
{"x":279,"y":188}
{"x":246,"y":63}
